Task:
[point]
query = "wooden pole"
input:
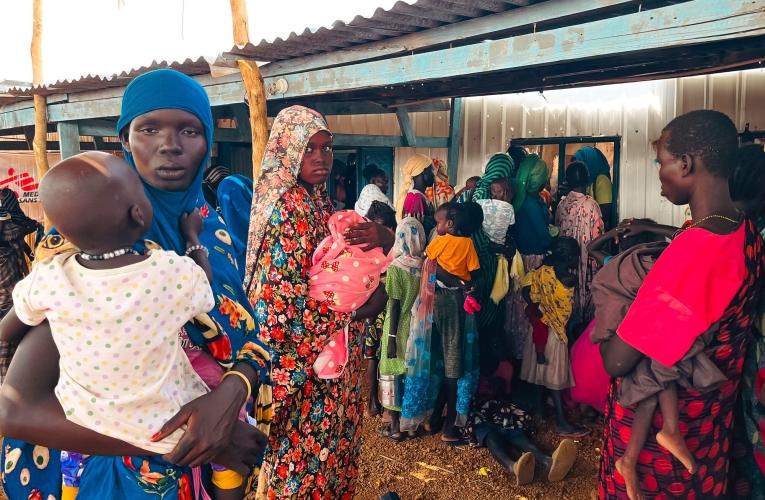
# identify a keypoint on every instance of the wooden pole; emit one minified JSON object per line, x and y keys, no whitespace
{"x":40,"y":143}
{"x":253,"y":86}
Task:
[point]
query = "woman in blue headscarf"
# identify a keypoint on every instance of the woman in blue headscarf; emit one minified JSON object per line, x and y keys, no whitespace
{"x":166,"y":129}
{"x":600,"y":186}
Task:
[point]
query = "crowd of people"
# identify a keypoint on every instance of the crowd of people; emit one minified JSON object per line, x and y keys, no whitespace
{"x":183,"y":334}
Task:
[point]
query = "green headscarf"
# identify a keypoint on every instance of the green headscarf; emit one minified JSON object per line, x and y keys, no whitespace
{"x":532,"y":176}
{"x":499,"y":166}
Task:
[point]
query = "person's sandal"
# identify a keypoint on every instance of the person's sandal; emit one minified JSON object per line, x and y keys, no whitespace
{"x":453,"y":441}
{"x":563,"y":459}
{"x":398,"y":436}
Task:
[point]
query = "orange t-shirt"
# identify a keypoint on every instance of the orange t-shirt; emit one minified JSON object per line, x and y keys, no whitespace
{"x":455,"y":254}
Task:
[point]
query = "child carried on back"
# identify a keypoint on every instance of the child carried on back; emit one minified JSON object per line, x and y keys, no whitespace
{"x":498,"y":218}
{"x":613,"y":290}
{"x":456,"y":270}
{"x":102,"y":304}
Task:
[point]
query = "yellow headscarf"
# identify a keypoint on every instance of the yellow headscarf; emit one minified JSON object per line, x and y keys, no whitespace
{"x":413,"y":167}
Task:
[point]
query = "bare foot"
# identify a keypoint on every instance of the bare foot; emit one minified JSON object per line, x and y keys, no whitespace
{"x":631,"y":481}
{"x":675,"y":444}
{"x":523,"y":469}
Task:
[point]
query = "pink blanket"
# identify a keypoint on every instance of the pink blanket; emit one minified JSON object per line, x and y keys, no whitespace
{"x":345,"y":276}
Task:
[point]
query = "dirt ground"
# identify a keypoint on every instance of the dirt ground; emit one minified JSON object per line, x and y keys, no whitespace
{"x":426,"y":469}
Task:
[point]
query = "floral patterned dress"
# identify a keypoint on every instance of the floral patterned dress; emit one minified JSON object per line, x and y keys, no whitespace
{"x":578,"y":216}
{"x":315,"y":435}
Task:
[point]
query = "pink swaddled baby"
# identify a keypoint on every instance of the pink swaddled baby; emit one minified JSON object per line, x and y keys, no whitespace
{"x":344,"y":276}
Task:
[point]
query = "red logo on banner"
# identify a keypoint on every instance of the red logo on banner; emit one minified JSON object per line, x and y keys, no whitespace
{"x":19,"y":183}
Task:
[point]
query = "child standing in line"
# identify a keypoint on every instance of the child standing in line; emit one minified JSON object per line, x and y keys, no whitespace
{"x":96,"y":390}
{"x":384,"y":215}
{"x":549,"y":293}
{"x":456,"y":265}
{"x":402,"y":284}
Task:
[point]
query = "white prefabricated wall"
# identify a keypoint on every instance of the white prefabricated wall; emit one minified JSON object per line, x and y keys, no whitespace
{"x":635,"y":111}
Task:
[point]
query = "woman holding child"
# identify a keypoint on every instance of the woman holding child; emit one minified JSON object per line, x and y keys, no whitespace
{"x":316,"y":429}
{"x":712,"y":272}
{"x":166,"y":128}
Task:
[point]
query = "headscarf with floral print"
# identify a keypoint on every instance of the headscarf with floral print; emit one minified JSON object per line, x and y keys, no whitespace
{"x":282,"y":160}
{"x":441,"y":192}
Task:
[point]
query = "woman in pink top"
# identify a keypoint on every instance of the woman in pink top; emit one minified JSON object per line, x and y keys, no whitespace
{"x":707,"y":280}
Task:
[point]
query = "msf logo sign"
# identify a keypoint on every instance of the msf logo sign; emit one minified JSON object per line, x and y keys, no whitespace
{"x":22,"y":183}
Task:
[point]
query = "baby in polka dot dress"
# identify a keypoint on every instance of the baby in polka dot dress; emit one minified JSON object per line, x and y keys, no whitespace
{"x":114,"y":314}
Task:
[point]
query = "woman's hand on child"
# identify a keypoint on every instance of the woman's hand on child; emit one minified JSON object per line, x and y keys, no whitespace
{"x":630,"y":227}
{"x":191,"y":226}
{"x":211,"y":422}
{"x":370,"y":235}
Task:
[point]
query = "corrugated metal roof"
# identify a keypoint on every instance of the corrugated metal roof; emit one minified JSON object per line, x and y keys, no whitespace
{"x":403,"y":18}
{"x":199,"y":66}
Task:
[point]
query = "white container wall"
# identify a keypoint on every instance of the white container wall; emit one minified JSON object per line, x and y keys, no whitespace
{"x":635,"y":111}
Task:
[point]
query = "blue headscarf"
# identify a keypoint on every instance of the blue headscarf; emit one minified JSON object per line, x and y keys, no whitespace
{"x":596,"y":162}
{"x":169,"y":89}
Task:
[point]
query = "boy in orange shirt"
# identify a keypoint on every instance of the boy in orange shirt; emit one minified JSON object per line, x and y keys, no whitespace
{"x":457,"y":263}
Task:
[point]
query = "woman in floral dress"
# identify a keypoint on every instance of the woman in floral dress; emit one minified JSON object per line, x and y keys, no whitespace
{"x":578,"y":216}
{"x":315,"y":436}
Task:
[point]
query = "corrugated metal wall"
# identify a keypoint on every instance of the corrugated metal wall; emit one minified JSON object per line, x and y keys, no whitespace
{"x":636,"y":111}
